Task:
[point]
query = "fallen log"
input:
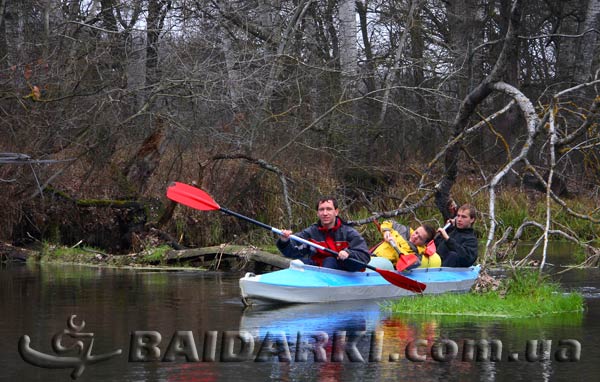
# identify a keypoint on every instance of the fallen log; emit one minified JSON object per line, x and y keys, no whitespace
{"x":9,"y":252}
{"x":225,"y":253}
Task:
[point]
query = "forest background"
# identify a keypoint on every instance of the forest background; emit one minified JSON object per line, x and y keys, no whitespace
{"x":397,"y":107}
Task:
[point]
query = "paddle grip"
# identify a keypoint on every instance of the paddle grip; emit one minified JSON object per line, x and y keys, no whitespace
{"x":445,"y":227}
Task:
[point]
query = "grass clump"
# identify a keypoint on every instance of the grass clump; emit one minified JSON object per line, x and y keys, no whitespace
{"x":155,"y":255}
{"x":56,"y":253}
{"x":525,"y":293}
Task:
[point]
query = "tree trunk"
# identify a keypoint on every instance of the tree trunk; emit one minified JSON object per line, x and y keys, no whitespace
{"x":234,"y":78}
{"x":417,"y":49}
{"x":465,"y":26}
{"x":348,"y":45}
{"x":147,"y":158}
{"x":369,"y":77}
{"x":470,"y":102}
{"x":3,"y":42}
{"x":392,"y":76}
{"x":114,"y":68}
{"x":152,"y":34}
{"x":589,"y":42}
{"x":14,"y":33}
{"x":566,"y":48}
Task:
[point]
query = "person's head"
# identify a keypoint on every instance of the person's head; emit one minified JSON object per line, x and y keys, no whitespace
{"x":465,"y":217}
{"x":422,"y":235}
{"x":327,"y":211}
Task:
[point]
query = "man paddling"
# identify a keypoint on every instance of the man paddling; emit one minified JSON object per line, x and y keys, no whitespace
{"x":330,"y":232}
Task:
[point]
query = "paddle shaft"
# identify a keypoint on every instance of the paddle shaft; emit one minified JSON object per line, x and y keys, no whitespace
{"x":280,"y":232}
{"x":395,"y":246}
{"x":293,"y":237}
{"x":448,"y":225}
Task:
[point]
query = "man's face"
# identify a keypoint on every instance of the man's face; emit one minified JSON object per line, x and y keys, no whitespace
{"x":327,"y":213}
{"x":419,"y":236}
{"x":464,"y":219}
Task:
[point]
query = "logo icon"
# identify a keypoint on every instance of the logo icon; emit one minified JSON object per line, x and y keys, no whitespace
{"x":82,"y":346}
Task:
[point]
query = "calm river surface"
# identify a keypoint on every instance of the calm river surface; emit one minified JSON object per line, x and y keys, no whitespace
{"x":188,"y":309}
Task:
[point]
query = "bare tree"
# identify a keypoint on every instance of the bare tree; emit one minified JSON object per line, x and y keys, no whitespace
{"x":348,"y":49}
{"x":591,"y":29}
{"x":144,"y":91}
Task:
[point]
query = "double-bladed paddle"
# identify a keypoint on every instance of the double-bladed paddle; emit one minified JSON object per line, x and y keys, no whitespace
{"x":198,"y":199}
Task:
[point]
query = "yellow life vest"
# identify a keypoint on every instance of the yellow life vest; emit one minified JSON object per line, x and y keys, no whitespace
{"x":385,"y":250}
{"x":430,"y":259}
{"x":433,"y":261}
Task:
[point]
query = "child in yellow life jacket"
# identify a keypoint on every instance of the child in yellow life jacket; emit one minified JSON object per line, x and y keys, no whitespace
{"x":402,"y":245}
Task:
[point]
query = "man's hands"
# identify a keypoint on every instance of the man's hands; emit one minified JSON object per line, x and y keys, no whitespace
{"x":286,"y":233}
{"x":442,"y":230}
{"x":387,"y":236}
{"x":343,"y":255}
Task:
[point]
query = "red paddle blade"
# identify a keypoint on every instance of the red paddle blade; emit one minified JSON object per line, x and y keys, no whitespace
{"x":402,"y":281}
{"x":191,"y":197}
{"x":405,"y":261}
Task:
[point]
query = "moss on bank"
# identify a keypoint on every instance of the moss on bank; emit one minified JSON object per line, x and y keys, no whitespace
{"x":155,"y":256}
{"x":525,"y":294}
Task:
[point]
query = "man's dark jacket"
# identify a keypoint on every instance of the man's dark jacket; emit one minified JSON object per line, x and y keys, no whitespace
{"x":341,"y":236}
{"x":461,"y":246}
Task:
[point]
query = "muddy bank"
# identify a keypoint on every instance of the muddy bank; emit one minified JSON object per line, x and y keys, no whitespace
{"x":223,"y":257}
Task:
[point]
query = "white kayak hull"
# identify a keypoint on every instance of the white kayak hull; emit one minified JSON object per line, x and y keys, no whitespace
{"x":302,"y":283}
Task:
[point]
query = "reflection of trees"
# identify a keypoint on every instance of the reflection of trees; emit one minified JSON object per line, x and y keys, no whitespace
{"x":117,"y":302}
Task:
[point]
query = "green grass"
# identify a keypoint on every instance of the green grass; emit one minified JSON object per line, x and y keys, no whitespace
{"x":50,"y":252}
{"x":524,"y":294}
{"x":155,"y":255}
{"x":88,"y":255}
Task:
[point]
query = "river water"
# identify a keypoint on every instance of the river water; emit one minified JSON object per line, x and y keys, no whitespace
{"x":207,"y":335}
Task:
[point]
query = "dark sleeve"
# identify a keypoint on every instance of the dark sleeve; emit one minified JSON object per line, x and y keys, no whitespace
{"x":465,"y":246}
{"x":295,"y":250}
{"x":403,"y":230}
{"x":357,"y":246}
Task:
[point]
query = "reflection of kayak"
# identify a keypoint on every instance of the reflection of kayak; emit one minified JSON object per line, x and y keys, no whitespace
{"x":301,"y":283}
{"x":289,"y":320}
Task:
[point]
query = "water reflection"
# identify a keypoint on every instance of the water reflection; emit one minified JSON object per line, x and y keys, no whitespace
{"x":36,"y":300}
{"x":376,"y":316}
{"x":328,"y":318}
{"x":418,"y":345}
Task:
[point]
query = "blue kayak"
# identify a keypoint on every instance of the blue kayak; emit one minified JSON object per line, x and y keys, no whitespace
{"x":301,"y":283}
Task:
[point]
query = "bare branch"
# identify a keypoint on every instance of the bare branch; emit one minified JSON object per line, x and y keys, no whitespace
{"x":532,"y":124}
{"x":267,"y":166}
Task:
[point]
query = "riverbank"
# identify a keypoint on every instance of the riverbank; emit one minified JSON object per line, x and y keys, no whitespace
{"x":222,"y":257}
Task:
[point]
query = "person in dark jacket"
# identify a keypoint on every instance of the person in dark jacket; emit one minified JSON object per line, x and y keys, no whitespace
{"x":458,"y":246}
{"x":330,"y":232}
